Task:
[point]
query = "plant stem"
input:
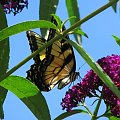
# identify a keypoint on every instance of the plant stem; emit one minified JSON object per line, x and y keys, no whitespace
{"x":1,"y":111}
{"x":90,"y":113}
{"x":58,"y":37}
{"x":96,"y":109}
{"x":90,"y":16}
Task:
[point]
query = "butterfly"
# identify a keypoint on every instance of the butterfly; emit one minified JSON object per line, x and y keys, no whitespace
{"x":54,"y":65}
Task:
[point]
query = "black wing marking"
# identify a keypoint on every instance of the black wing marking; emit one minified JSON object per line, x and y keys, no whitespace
{"x":35,"y":42}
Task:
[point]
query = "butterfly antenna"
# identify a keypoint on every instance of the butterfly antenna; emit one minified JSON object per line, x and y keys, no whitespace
{"x":81,"y":66}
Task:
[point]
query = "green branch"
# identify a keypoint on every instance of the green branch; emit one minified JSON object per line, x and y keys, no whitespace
{"x":58,"y":37}
{"x":101,"y":9}
{"x":88,"y":110}
{"x":97,"y":108}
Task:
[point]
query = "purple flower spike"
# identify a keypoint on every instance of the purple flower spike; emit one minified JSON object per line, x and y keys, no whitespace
{"x":14,"y":6}
{"x":116,"y":109}
{"x":91,"y":83}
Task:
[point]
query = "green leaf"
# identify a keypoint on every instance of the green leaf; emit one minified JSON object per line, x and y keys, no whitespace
{"x":4,"y":59}
{"x":73,"y":17}
{"x":24,"y":26}
{"x":117,"y":39}
{"x":60,"y":24}
{"x":73,"y":10}
{"x":58,"y":20}
{"x":96,"y":68}
{"x":29,"y":94}
{"x":79,"y":32}
{"x":108,"y":115}
{"x":4,"y":45}
{"x":114,"y":6}
{"x":114,"y":118}
{"x":67,"y":114}
{"x":47,"y":8}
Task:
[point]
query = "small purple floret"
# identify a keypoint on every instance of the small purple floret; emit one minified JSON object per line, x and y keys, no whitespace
{"x":14,"y":6}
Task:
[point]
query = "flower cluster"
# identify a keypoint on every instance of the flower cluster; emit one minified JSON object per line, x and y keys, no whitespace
{"x":91,"y":83}
{"x":14,"y":6}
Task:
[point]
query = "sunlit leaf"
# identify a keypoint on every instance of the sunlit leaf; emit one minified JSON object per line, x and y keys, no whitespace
{"x":58,"y":20}
{"x":29,"y":94}
{"x":24,"y":26}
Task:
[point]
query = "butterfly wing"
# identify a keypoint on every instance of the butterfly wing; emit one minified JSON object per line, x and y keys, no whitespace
{"x":61,"y":63}
{"x":35,"y":42}
{"x":55,"y":65}
{"x":33,"y":74}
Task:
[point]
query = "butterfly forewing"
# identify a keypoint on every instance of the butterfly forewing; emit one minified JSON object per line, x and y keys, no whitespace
{"x":35,"y":42}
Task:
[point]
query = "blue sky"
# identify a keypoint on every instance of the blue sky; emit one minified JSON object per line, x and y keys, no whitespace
{"x":99,"y":44}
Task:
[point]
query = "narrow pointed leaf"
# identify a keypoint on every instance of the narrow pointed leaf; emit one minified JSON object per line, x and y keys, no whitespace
{"x":67,"y":114}
{"x":47,"y":7}
{"x":24,"y":26}
{"x":73,"y":17}
{"x":4,"y":59}
{"x":79,"y":32}
{"x":29,"y":94}
{"x":58,"y":20}
{"x":114,"y":6}
{"x":73,"y":10}
{"x":117,"y":39}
